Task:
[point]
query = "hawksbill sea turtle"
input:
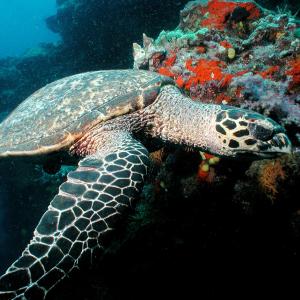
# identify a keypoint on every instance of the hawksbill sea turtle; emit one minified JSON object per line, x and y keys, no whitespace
{"x":98,"y":117}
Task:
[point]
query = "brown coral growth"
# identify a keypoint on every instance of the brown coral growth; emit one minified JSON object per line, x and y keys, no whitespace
{"x":270,"y":174}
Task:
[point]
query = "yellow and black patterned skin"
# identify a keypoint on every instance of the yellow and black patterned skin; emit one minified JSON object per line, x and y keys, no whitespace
{"x":96,"y":116}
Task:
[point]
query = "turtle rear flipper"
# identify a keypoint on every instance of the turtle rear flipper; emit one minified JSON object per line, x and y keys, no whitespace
{"x":87,"y":207}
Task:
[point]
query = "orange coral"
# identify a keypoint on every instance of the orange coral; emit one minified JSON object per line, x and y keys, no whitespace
{"x":218,"y":10}
{"x":222,"y":97}
{"x":204,"y":70}
{"x":201,"y":49}
{"x":165,"y":71}
{"x":208,"y":156}
{"x":206,"y":171}
{"x":269,"y":72}
{"x":226,"y":80}
{"x":203,"y":171}
{"x":226,"y":44}
{"x":269,"y":176}
{"x":294,"y":72}
{"x":170,"y":61}
{"x":180,"y":82}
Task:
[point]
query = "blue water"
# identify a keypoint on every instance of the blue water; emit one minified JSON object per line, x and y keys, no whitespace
{"x":22,"y":25}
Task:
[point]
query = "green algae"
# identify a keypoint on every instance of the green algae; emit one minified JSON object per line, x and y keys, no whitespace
{"x":178,"y":34}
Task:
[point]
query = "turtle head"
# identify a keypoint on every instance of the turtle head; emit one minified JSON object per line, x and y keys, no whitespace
{"x":243,"y":133}
{"x":219,"y":129}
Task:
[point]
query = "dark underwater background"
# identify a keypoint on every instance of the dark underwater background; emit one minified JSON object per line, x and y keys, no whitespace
{"x":221,"y":239}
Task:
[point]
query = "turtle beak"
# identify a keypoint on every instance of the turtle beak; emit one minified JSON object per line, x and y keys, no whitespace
{"x":271,"y":139}
{"x":278,"y":144}
{"x":269,"y":144}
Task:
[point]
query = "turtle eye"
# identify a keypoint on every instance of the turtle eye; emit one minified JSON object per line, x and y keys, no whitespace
{"x":260,"y":132}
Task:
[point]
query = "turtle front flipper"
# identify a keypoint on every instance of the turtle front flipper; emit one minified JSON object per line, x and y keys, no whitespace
{"x":87,"y":206}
